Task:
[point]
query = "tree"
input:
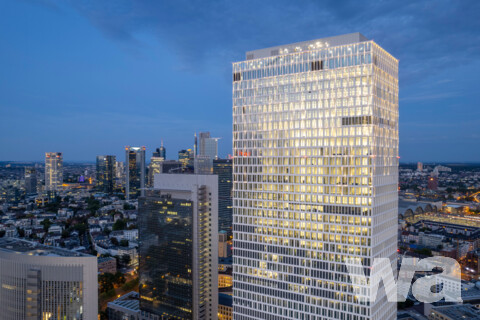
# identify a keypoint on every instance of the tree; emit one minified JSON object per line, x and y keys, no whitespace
{"x":46,"y":223}
{"x":125,"y":259}
{"x":2,"y":233}
{"x":124,"y":243}
{"x":114,"y":241}
{"x":21,"y":232}
{"x":120,"y":224}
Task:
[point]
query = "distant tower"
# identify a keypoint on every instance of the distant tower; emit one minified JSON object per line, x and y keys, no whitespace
{"x":208,"y":145}
{"x":134,"y":172}
{"x":195,"y":149}
{"x":30,"y":180}
{"x":154,"y":167}
{"x":178,"y":245}
{"x":53,"y":171}
{"x":160,"y":152}
{"x":419,"y":166}
{"x":105,"y":178}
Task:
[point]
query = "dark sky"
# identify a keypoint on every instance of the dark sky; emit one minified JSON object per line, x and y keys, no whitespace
{"x":89,"y":77}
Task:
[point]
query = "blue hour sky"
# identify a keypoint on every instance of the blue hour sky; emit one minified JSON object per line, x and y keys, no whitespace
{"x":89,"y":77}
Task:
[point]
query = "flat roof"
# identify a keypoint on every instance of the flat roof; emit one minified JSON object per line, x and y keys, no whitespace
{"x":14,"y":245}
{"x":307,"y":45}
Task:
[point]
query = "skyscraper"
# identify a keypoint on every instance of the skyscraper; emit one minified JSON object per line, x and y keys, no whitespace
{"x":315,"y":138}
{"x":154,"y":167}
{"x":160,"y":152}
{"x":186,"y":157}
{"x":42,"y":282}
{"x":178,"y":248}
{"x":53,"y":171}
{"x":223,"y":169}
{"x":134,"y":172}
{"x":208,"y":146}
{"x":30,"y":180}
{"x":105,"y":178}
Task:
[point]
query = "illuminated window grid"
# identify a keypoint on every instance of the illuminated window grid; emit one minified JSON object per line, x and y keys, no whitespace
{"x":315,"y":176}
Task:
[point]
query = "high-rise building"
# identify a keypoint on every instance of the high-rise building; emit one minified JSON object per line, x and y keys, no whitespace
{"x":134,"y":172}
{"x":208,"y":146}
{"x":154,"y":167}
{"x":30,"y":180}
{"x":160,"y":152}
{"x":53,"y":171}
{"x":105,"y":175}
{"x":419,"y":166}
{"x":119,"y":174}
{"x":186,"y":157}
{"x":315,"y":138}
{"x":42,"y":282}
{"x":178,"y":244}
{"x":223,"y":169}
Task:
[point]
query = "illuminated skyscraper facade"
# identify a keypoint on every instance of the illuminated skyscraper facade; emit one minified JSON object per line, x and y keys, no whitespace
{"x":53,"y":171}
{"x":315,"y":138}
{"x":105,"y":175}
{"x":134,"y":172}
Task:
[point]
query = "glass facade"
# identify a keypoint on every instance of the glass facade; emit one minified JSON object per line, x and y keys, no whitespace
{"x":315,"y":130}
{"x":53,"y":171}
{"x":105,"y":177}
{"x":166,"y":255}
{"x":223,"y":169}
{"x":135,"y":172}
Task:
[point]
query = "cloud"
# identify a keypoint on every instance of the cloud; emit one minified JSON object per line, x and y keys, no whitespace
{"x":426,"y":36}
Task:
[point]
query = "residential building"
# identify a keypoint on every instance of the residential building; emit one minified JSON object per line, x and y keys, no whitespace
{"x":107,"y":265}
{"x":178,"y":249}
{"x":315,"y":139}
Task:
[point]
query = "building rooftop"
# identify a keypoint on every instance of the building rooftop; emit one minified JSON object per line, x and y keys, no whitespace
{"x":225,"y":299}
{"x":459,"y":311}
{"x":14,"y":245}
{"x":128,"y":301}
{"x":306,"y":45}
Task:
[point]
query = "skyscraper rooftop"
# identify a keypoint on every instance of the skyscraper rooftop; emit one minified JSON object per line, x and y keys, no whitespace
{"x":307,"y":45}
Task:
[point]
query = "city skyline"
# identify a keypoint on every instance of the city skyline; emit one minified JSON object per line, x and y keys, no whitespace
{"x":71,"y":69}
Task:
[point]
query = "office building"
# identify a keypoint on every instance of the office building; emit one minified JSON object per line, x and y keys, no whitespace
{"x":203,"y":165}
{"x":223,"y":169}
{"x":160,"y":152}
{"x":41,"y":282}
{"x":154,"y":167}
{"x":30,"y":180}
{"x":224,"y":245}
{"x":419,"y":166}
{"x":53,"y":171}
{"x":186,"y":157}
{"x":134,"y":172}
{"x":315,"y":138}
{"x":208,"y":145}
{"x":105,"y":178}
{"x":119,"y":175}
{"x":178,"y":248}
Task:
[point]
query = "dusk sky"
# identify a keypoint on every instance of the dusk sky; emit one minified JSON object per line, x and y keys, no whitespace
{"x":90,"y":77}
